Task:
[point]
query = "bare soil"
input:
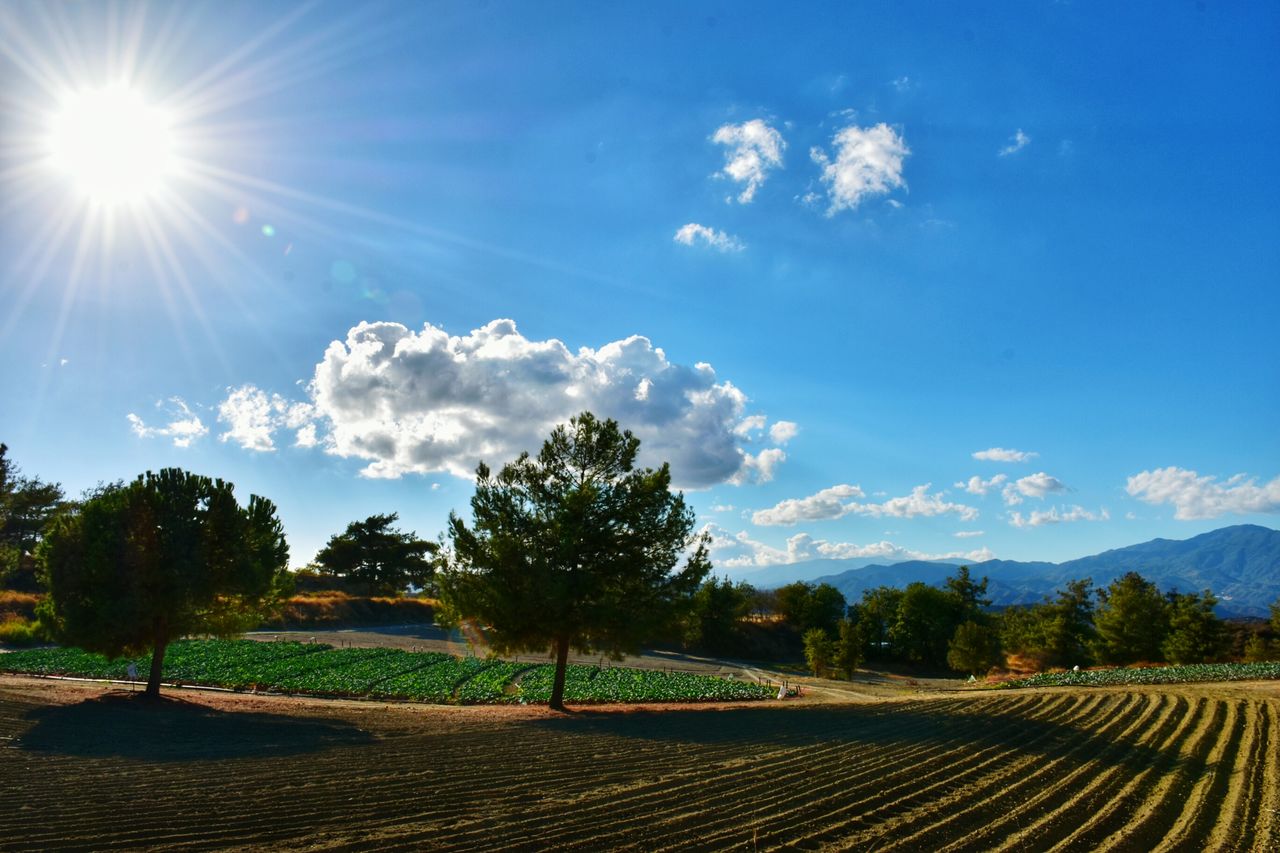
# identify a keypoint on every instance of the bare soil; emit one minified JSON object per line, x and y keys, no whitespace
{"x":1190,"y":768}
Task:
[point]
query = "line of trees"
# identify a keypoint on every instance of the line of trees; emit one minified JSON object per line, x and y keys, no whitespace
{"x":953,"y":626}
{"x":27,"y":506}
{"x":575,"y":548}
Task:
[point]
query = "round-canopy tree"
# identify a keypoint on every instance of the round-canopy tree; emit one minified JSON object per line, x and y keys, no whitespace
{"x":167,"y":555}
{"x":576,"y":548}
{"x":377,"y":556}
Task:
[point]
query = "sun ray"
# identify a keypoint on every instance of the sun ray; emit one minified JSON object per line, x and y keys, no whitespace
{"x":70,"y":54}
{"x":40,"y":72}
{"x":198,"y":84}
{"x":304,"y":59}
{"x":47,"y":246}
{"x":69,"y":295}
{"x":191,"y":230}
{"x":157,"y":247}
{"x":60,"y":56}
{"x":405,"y":225}
{"x":132,"y":42}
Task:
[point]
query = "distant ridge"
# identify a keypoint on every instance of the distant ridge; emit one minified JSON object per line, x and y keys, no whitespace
{"x":1241,"y":564}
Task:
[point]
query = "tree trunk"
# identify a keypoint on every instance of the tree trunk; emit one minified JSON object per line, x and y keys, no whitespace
{"x":157,"y":662}
{"x":562,"y":663}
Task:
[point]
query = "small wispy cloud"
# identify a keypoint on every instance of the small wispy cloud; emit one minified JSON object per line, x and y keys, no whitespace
{"x":759,"y":468}
{"x":1004,"y":454}
{"x":978,"y":486}
{"x":1031,"y":486}
{"x":1016,"y":143}
{"x":783,"y":431}
{"x":1053,"y":515}
{"x":695,"y":234}
{"x":184,"y":426}
{"x":867,"y":161}
{"x":755,"y":149}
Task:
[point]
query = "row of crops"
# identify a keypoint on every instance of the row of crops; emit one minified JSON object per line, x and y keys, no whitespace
{"x":319,"y":669}
{"x":1185,"y":674}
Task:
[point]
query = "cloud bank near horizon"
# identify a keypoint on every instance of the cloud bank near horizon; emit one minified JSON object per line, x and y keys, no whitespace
{"x":740,"y":550}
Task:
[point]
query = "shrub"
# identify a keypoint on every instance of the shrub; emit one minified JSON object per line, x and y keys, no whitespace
{"x":16,"y":631}
{"x":974,"y":649}
{"x":819,"y":650}
{"x":1258,"y":650}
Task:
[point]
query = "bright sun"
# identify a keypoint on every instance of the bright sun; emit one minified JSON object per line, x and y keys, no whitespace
{"x":114,"y":146}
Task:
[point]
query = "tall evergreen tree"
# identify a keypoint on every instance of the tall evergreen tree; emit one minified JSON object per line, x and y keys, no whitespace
{"x":1132,"y":621}
{"x":1196,"y":634}
{"x":576,"y":548}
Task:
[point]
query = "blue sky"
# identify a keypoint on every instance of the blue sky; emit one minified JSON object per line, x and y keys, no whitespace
{"x":871,"y":252}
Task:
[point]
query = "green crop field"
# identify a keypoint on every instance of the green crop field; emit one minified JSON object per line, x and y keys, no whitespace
{"x":1186,"y":674}
{"x":321,"y":670}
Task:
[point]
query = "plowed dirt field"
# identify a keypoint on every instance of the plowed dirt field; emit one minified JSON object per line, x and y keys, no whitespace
{"x":1193,"y":768}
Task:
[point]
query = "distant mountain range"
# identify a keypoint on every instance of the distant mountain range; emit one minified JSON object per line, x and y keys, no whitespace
{"x":1241,"y":564}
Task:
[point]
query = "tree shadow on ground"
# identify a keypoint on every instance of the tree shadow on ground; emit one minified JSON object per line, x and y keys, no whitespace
{"x":169,"y":729}
{"x":874,"y":725}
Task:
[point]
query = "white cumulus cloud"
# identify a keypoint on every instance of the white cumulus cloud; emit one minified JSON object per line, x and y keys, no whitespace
{"x":978,"y":486}
{"x":1001,"y":454}
{"x":758,"y":468}
{"x":693,"y":233}
{"x":968,"y":534}
{"x":783,"y":431}
{"x":749,"y":425}
{"x":918,"y":503}
{"x":1031,"y":486}
{"x":754,"y":149}
{"x":184,"y":426}
{"x":253,"y":417}
{"x":1016,"y":143}
{"x":826,"y":504}
{"x":867,"y":161}
{"x":427,"y":401}
{"x":1193,"y":496}
{"x":1053,"y":515}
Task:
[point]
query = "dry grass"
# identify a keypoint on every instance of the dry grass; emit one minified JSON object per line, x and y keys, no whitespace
{"x":331,"y":609}
{"x":18,"y":604}
{"x":16,"y":631}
